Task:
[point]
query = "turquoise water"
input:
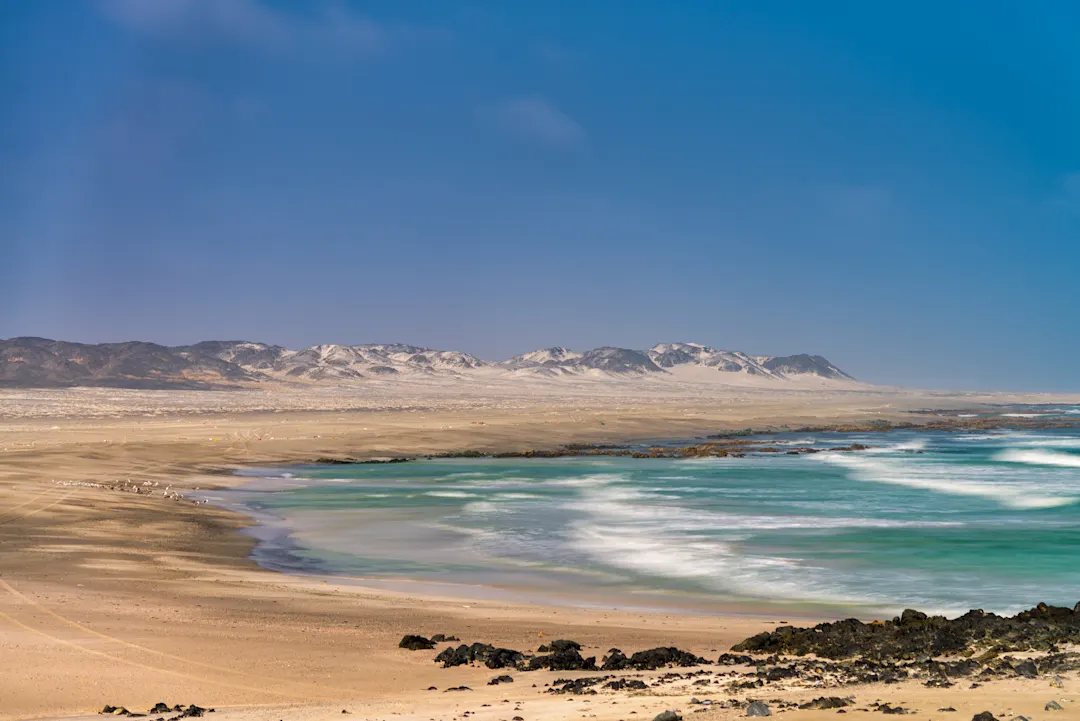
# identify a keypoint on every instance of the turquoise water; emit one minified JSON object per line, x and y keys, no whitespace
{"x":938,"y":521}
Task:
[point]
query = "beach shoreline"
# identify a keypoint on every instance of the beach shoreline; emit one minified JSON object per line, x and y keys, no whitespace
{"x":115,"y":596}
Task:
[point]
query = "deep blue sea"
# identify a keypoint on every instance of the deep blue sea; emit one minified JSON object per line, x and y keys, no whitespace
{"x":940,"y":521}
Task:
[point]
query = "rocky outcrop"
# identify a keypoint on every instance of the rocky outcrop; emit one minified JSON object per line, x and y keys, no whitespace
{"x":914,"y":635}
{"x":416,"y":643}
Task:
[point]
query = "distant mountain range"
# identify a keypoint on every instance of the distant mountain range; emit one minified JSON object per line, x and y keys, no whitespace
{"x":39,"y":362}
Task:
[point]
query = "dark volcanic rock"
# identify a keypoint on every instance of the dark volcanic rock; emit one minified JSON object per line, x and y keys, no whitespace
{"x":416,"y":643}
{"x":914,"y":635}
{"x":779,"y":673}
{"x":577,"y":685}
{"x":660,"y":657}
{"x":451,"y":656}
{"x":503,"y":658}
{"x":984,"y":716}
{"x":826,"y":702}
{"x":483,"y":653}
{"x":560,"y":645}
{"x":623,"y":684}
{"x":616,"y":660}
{"x":569,"y":660}
{"x":443,"y":638}
{"x":1026,"y":669}
{"x":732,"y":659}
{"x":758,"y":708}
{"x":500,"y":679}
{"x":667,"y":716}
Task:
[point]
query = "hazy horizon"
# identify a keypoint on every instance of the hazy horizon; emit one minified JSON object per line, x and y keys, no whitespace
{"x":895,"y":187}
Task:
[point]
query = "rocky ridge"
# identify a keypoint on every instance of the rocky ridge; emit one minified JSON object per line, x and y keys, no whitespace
{"x":41,"y":362}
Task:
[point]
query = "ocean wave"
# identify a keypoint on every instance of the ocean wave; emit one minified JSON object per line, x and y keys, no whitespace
{"x":1039,"y":458}
{"x":710,"y":564}
{"x":493,"y":482}
{"x":639,"y":509}
{"x":450,"y":494}
{"x":936,"y":478}
{"x":480,"y":507}
{"x":915,"y":444}
{"x":1019,"y":439}
{"x":597,"y":479}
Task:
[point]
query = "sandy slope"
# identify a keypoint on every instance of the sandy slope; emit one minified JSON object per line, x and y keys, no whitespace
{"x":111,"y":596}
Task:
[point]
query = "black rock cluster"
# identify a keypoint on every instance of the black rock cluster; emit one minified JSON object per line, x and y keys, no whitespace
{"x":915,"y":635}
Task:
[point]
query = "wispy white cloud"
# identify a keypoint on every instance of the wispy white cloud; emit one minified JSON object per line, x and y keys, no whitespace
{"x":536,"y":118}
{"x":326,"y":25}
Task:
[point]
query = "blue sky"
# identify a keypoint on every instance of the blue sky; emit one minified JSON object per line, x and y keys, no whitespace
{"x":895,"y":186}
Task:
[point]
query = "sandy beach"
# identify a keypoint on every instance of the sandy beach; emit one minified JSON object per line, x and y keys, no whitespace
{"x":114,"y":591}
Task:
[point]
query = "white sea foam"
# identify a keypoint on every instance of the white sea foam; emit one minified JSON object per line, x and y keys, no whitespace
{"x":1019,"y":439}
{"x":706,"y":561}
{"x":480,"y":507}
{"x":631,"y":506}
{"x":450,"y":494}
{"x":1024,"y":415}
{"x":598,"y":479}
{"x":1039,"y":457}
{"x":915,"y":444}
{"x":939,"y":478}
